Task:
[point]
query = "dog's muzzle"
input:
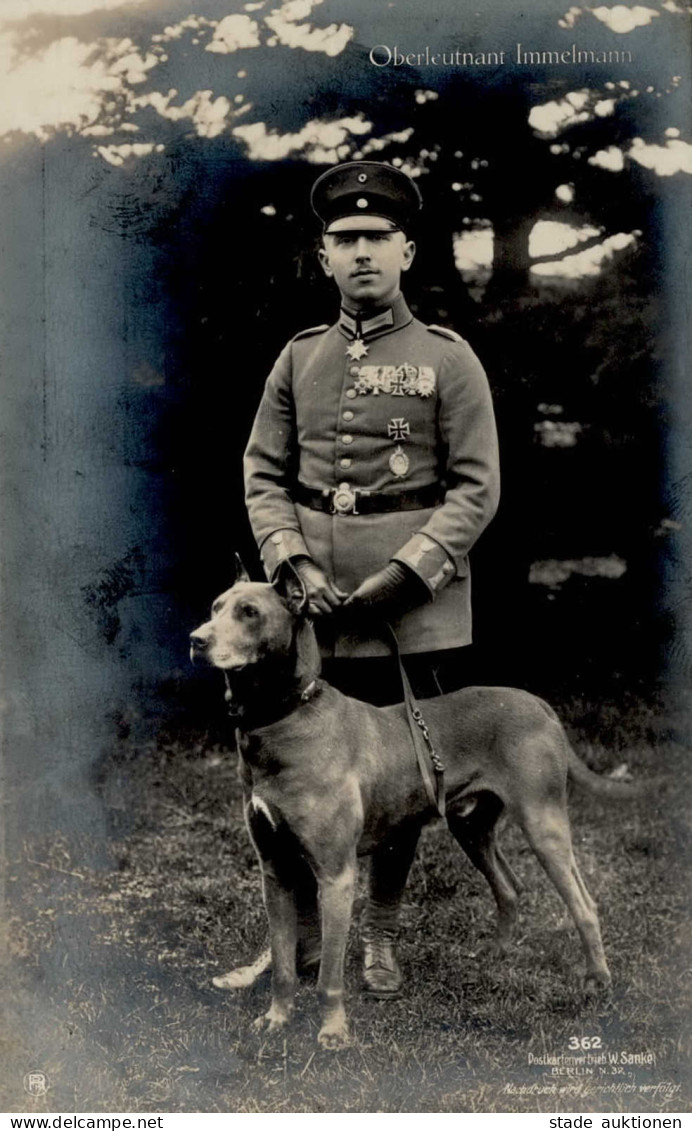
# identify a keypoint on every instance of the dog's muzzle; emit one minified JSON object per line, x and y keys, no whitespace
{"x":199,"y":645}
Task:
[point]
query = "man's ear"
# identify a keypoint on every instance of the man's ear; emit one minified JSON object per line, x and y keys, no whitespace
{"x":289,"y":585}
{"x":323,"y":256}
{"x":409,"y":250}
{"x":240,"y":572}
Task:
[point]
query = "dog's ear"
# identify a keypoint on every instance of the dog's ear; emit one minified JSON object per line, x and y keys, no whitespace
{"x":289,"y":585}
{"x":241,"y":574}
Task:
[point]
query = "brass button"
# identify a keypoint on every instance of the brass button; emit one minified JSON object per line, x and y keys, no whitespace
{"x":345,"y":463}
{"x":348,"y":415}
{"x":347,"y":438}
{"x":355,"y":370}
{"x":351,"y":393}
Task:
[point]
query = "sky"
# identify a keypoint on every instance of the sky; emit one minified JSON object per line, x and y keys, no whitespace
{"x":68,"y":75}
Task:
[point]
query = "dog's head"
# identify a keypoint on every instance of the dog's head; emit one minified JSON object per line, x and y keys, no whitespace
{"x":248,"y":622}
{"x":251,"y":622}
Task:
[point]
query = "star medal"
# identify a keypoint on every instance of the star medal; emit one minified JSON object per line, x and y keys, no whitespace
{"x":399,"y":462}
{"x":357,"y":349}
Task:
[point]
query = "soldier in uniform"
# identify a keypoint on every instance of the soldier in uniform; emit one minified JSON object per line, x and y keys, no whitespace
{"x":372,"y":468}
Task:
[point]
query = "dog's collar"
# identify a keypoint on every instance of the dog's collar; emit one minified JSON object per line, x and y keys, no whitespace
{"x":246,"y":720}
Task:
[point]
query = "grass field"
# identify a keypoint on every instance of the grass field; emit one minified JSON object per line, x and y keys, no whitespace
{"x":112,"y":995}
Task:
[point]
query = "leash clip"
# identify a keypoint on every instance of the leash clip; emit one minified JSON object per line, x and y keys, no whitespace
{"x":438,"y":764}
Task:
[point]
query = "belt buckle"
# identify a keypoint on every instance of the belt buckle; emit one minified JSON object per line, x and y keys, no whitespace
{"x":344,"y":499}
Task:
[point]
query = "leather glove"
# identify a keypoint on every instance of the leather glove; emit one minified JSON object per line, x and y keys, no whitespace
{"x":322,"y":595}
{"x":391,"y":591}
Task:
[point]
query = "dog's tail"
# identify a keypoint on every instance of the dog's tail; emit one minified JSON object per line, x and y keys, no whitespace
{"x":606,"y":788}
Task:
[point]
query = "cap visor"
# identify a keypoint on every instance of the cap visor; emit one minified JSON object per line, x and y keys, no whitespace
{"x":360,"y":223}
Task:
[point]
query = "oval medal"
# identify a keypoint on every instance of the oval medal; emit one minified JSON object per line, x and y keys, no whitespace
{"x":399,"y":462}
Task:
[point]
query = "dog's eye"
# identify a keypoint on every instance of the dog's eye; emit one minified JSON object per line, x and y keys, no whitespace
{"x":248,"y":612}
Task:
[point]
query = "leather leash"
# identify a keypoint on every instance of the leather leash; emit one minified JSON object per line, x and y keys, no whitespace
{"x":420,"y":736}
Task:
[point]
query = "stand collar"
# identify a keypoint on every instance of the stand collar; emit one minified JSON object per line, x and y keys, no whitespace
{"x":393,"y":317}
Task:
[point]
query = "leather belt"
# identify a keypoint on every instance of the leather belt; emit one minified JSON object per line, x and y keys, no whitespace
{"x":345,"y":499}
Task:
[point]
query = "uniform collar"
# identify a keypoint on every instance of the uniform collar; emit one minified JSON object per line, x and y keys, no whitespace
{"x":383,"y":322}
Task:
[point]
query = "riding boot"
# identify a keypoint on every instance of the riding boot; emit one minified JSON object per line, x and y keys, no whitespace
{"x":309,"y":949}
{"x":382,"y":977}
{"x":389,"y":868}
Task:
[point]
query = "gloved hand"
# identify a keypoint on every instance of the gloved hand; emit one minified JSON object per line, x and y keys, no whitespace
{"x":391,"y":591}
{"x":323,"y":596}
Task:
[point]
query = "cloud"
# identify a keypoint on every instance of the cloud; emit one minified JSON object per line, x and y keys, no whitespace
{"x":118,"y":154}
{"x":331,"y":40}
{"x":587,"y":263}
{"x":612,"y":159}
{"x":622,"y":19}
{"x":68,"y":84}
{"x":238,"y":31}
{"x":551,"y":237}
{"x":565,"y":193}
{"x":570,"y":18}
{"x":377,"y":144}
{"x":551,"y":117}
{"x":473,"y":254}
{"x":604,"y":107}
{"x":321,"y":142}
{"x":23,"y":9}
{"x":234,"y":33}
{"x":666,"y":160}
{"x":176,"y":31}
{"x":210,"y":116}
{"x":282,"y":22}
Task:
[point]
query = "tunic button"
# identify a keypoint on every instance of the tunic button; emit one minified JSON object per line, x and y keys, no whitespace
{"x":346,"y":439}
{"x":355,"y":370}
{"x":351,"y":393}
{"x":348,"y":415}
{"x":345,"y":463}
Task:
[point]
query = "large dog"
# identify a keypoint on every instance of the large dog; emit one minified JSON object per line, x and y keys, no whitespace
{"x":327,"y":778}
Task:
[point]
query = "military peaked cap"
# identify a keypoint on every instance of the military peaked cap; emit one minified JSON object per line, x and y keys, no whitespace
{"x":364,"y":189}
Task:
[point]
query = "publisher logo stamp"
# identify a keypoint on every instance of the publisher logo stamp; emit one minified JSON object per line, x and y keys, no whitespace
{"x":35,"y":1083}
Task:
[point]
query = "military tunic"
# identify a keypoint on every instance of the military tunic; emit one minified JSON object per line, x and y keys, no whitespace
{"x":410,"y":417}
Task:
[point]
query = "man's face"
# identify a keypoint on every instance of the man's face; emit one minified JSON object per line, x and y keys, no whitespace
{"x":366,"y":264}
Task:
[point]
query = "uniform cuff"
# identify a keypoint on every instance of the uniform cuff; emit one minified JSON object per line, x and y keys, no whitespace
{"x":428,"y":560}
{"x":279,"y":547}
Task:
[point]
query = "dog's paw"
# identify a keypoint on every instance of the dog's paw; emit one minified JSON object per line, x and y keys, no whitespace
{"x":597,"y":982}
{"x":274,"y":1019}
{"x":333,"y":1037}
{"x":242,"y":977}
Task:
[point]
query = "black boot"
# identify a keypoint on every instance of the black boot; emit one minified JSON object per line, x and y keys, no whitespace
{"x":382,"y":977}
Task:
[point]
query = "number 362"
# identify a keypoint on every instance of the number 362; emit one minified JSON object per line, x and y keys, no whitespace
{"x":585,"y":1042}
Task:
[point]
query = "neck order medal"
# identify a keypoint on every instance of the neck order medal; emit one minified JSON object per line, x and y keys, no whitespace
{"x":357,"y":349}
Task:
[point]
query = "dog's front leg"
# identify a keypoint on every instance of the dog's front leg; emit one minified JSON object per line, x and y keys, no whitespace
{"x":336,"y":899}
{"x":280,"y":905}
